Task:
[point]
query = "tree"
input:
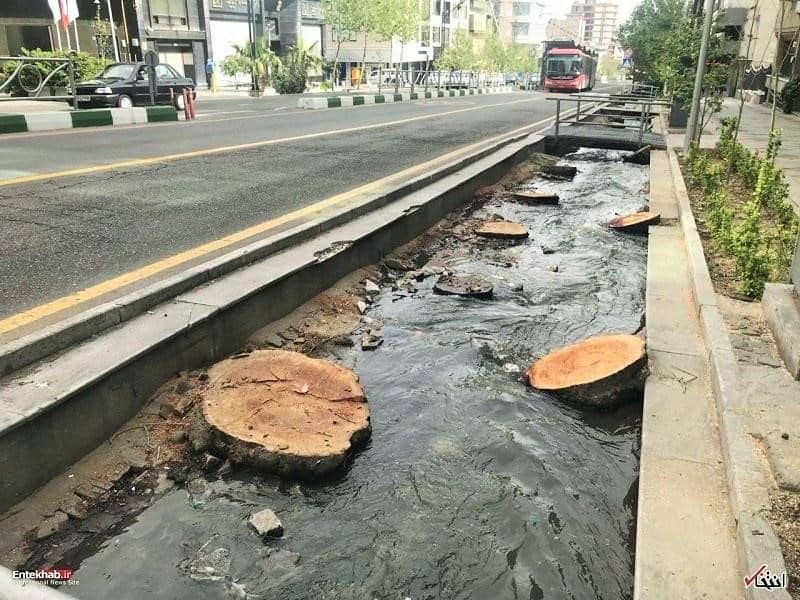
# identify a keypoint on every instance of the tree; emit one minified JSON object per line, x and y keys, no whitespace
{"x":608,"y":65}
{"x":293,"y":72}
{"x":459,"y":55}
{"x":252,"y":57}
{"x":345,"y":17}
{"x":396,"y":19}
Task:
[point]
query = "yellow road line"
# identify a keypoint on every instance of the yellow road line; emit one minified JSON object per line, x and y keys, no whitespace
{"x":138,"y":162}
{"x":36,"y":313}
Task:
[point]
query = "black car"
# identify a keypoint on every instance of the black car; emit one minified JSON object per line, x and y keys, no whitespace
{"x":127,"y":84}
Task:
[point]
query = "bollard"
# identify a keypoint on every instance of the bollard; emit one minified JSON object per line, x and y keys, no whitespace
{"x":558,"y":114}
{"x":190,"y":97}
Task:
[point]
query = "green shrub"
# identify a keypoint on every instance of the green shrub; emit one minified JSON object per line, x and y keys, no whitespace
{"x":86,"y":66}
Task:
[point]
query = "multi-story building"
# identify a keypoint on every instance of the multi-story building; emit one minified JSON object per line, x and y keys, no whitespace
{"x":599,"y":22}
{"x":568,"y":29}
{"x":521,"y":21}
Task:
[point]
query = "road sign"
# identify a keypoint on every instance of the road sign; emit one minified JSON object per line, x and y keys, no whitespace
{"x":627,"y":63}
{"x":151,"y":58}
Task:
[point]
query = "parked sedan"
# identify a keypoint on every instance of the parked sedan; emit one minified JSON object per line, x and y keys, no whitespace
{"x":127,"y":84}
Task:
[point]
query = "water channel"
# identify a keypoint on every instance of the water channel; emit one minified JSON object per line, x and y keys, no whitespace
{"x":473,"y":485}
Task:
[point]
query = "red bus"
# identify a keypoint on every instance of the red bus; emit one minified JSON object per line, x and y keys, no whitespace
{"x":569,"y":69}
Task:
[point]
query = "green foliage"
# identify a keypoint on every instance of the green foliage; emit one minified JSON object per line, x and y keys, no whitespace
{"x":86,"y":66}
{"x":790,"y":95}
{"x":252,"y":57}
{"x":459,"y":55}
{"x":292,"y":75}
{"x":762,"y":238}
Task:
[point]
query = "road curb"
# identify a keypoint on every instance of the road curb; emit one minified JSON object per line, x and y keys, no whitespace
{"x":747,"y":485}
{"x":56,"y":411}
{"x":349,"y":100}
{"x":100,"y":117}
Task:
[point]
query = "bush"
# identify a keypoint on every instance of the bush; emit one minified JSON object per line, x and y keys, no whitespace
{"x":290,"y":81}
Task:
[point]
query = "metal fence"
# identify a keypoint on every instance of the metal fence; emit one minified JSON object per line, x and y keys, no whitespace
{"x":29,"y":77}
{"x":418,"y":78}
{"x":642,"y":114}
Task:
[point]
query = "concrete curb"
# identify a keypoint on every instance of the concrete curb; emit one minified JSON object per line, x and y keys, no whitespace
{"x":58,"y":410}
{"x":757,"y":542}
{"x":49,"y":121}
{"x":388,"y":98}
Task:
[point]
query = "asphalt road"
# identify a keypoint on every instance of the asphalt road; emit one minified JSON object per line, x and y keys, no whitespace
{"x":68,"y":231}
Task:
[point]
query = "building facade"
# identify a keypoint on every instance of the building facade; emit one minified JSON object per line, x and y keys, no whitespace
{"x":599,"y":22}
{"x":522,"y":21}
{"x":568,"y":29}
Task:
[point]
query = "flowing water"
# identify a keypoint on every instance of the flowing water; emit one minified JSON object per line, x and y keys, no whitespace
{"x":473,"y":485}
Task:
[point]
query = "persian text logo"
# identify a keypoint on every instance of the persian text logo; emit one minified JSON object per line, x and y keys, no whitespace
{"x":764,"y":580}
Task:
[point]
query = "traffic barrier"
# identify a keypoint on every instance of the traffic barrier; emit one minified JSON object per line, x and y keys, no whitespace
{"x":49,"y":121}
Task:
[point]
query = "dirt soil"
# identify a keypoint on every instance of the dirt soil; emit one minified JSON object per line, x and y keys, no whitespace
{"x":70,"y":516}
{"x":784,"y":515}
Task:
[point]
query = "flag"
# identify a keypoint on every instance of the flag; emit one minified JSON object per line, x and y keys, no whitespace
{"x":64,"y":11}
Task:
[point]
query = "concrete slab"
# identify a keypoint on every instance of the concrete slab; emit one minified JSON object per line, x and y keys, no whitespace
{"x":685,"y":529}
{"x":782,"y":312}
{"x":662,"y":199}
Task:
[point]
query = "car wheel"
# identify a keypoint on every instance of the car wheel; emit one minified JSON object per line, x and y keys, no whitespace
{"x":180,"y":101}
{"x":125,"y":101}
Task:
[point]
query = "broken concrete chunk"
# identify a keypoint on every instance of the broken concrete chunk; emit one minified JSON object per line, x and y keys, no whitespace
{"x":371,"y":287}
{"x":362,"y":306}
{"x":397,"y":264}
{"x":175,"y":405}
{"x":266,"y":523}
{"x":52,"y":525}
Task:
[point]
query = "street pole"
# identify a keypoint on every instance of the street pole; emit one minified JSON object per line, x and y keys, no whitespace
{"x":113,"y":32}
{"x":691,"y":130}
{"x":251,"y":34}
{"x":776,"y":68}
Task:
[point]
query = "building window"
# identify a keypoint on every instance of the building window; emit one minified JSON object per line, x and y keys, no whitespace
{"x":521,"y":9}
{"x":520,"y":30}
{"x":786,"y":56}
{"x":169,"y":14}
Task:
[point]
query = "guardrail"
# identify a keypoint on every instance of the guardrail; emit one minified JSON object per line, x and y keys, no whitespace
{"x":412,"y":78}
{"x":30,"y":78}
{"x":643,"y":114}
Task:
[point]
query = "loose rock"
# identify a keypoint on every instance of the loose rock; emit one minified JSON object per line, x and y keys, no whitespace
{"x":371,"y":287}
{"x":362,"y":306}
{"x":52,"y":525}
{"x":178,"y":437}
{"x":463,"y":285}
{"x":266,"y":523}
{"x":397,"y":265}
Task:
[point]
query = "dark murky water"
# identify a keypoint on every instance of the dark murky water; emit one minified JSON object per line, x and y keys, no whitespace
{"x":474,"y":486}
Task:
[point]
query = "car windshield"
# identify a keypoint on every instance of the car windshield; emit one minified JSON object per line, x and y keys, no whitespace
{"x":563,"y":65}
{"x":117,"y":72}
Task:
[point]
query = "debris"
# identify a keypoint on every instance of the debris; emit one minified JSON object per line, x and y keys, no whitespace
{"x":502,"y":230}
{"x":178,"y":437}
{"x":266,"y":523}
{"x":553,"y":268}
{"x":371,"y":288}
{"x":371,"y":340}
{"x":559,"y":171}
{"x":785,"y":436}
{"x":640,"y":157}
{"x":211,"y":462}
{"x":548,"y":250}
{"x":274,"y":340}
{"x":52,"y":525}
{"x":397,"y":264}
{"x":175,"y":405}
{"x":362,"y":306}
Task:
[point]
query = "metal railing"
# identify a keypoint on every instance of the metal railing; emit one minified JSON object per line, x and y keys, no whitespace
{"x":417,"y":78}
{"x":643,"y":114}
{"x":29,"y":77}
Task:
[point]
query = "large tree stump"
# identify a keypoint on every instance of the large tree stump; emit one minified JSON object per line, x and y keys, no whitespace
{"x":638,"y":222}
{"x":599,"y":372}
{"x":559,"y":171}
{"x":285,"y":412}
{"x":504,"y":230}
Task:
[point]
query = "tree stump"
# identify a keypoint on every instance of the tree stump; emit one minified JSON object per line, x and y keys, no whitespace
{"x":638,"y":222}
{"x":506,"y":230}
{"x":600,"y":372}
{"x":536,"y":197}
{"x":463,"y":285}
{"x":284,"y":412}
{"x":559,"y":171}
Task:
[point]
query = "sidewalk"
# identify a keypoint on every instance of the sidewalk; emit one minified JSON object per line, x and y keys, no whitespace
{"x":768,"y":395}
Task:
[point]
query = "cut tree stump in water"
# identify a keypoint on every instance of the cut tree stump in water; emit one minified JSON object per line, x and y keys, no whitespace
{"x":640,"y":157}
{"x":506,"y":230}
{"x":559,"y":171}
{"x":600,"y":372}
{"x":284,"y":412}
{"x":463,"y":285}
{"x":536,"y":197}
{"x":638,"y":222}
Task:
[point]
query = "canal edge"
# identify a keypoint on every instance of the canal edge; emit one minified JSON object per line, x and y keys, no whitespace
{"x":757,"y":543}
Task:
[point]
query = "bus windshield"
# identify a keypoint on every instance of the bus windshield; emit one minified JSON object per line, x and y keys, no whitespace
{"x":564,"y":65}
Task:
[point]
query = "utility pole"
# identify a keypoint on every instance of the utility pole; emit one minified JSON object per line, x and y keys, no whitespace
{"x":691,"y":130}
{"x":251,"y":23}
{"x":776,"y":68}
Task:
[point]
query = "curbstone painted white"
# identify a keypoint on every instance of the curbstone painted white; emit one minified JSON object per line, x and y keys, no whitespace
{"x":48,"y":120}
{"x":129,"y":116}
{"x":388,"y":97}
